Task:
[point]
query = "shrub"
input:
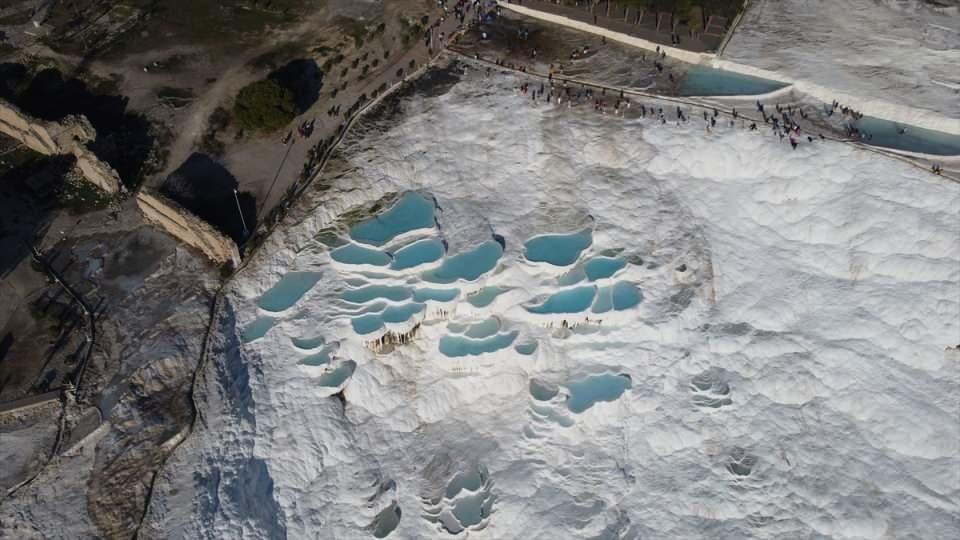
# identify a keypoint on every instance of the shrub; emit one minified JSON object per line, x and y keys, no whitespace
{"x":264,"y":106}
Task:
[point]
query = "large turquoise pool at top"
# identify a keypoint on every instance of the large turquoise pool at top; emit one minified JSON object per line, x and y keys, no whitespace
{"x":413,"y":211}
{"x":708,"y":81}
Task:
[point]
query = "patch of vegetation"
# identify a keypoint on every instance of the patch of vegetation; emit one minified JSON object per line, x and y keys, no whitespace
{"x":413,"y":30}
{"x":355,"y":29}
{"x":332,"y":61}
{"x":79,"y":196}
{"x":264,"y":106}
{"x":219,"y":122}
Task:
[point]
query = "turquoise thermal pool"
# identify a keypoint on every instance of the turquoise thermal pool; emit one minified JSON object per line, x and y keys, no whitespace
{"x":585,"y":393}
{"x":417,"y":253}
{"x":904,"y":137}
{"x":526,"y":348}
{"x":618,"y":297}
{"x":468,"y":265}
{"x":413,"y":211}
{"x":485,"y":296}
{"x":376,"y":292}
{"x":707,"y":81}
{"x":558,"y":249}
{"x":354,"y":254}
{"x":288,"y":291}
{"x":570,"y":301}
{"x":257,"y":329}
{"x":436,"y":295}
{"x":457,"y":346}
{"x":338,"y":376}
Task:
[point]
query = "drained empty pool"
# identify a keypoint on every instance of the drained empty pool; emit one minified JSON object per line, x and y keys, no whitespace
{"x":413,"y":211}
{"x":569,"y":301}
{"x":708,"y":81}
{"x":585,"y":393}
{"x":557,"y":249}
{"x":354,"y":254}
{"x":288,"y":291}
{"x":417,"y":253}
{"x":467,"y":266}
{"x":903,"y":137}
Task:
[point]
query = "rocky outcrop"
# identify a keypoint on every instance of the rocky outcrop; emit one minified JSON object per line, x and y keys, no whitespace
{"x":188,"y":228}
{"x":68,"y":136}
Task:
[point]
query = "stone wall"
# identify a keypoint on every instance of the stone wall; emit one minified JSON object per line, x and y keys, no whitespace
{"x":188,"y":228}
{"x":66,"y":137}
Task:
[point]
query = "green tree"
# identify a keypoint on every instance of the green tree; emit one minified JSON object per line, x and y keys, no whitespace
{"x":264,"y":106}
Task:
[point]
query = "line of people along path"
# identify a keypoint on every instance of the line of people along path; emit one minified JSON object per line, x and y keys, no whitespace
{"x":784,"y":123}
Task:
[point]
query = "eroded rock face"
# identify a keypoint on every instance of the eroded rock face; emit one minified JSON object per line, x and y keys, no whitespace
{"x":187,"y":228}
{"x":66,"y":137}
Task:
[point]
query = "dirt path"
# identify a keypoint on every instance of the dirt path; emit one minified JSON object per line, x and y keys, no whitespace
{"x":264,"y":167}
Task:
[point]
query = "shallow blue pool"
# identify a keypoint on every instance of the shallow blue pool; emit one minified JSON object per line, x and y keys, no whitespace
{"x":603,"y":267}
{"x":307,"y":343}
{"x":339,"y":375}
{"x":905,"y":137}
{"x":587,"y":392}
{"x":543,"y":391}
{"x":376,"y":292}
{"x":471,"y":509}
{"x":569,"y":301}
{"x":318,"y":359}
{"x":366,"y":324}
{"x":354,"y":254}
{"x":437,"y":295}
{"x":707,"y":81}
{"x":417,"y":253}
{"x":527,"y":348}
{"x":457,"y":346}
{"x":471,"y":480}
{"x":288,"y":291}
{"x":467,"y":266}
{"x":399,"y":314}
{"x":617,"y":297}
{"x":558,"y":249}
{"x":413,"y":211}
{"x":257,"y":329}
{"x":482,"y":329}
{"x":485,"y":296}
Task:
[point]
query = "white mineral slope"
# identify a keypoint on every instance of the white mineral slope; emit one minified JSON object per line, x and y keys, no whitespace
{"x":821,"y":288}
{"x":903,"y":53}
